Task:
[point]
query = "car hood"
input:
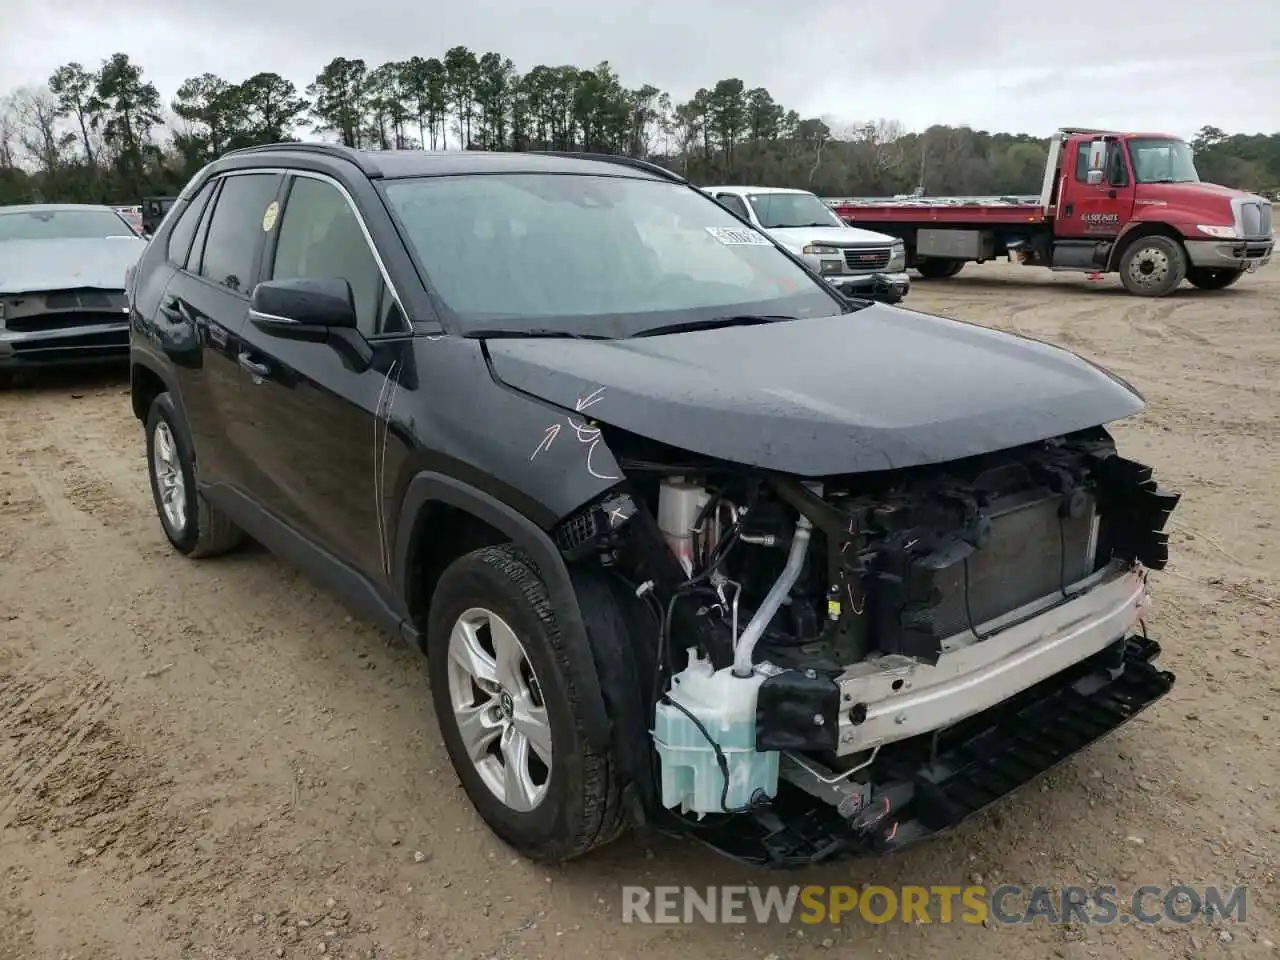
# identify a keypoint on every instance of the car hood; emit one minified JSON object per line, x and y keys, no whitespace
{"x":879,"y":389}
{"x":797,"y":237}
{"x":28,"y":266}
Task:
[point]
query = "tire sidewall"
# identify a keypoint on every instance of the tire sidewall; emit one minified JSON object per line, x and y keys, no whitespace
{"x":1218,"y":278}
{"x":163,"y":410}
{"x":1177,"y":265}
{"x":470,"y":582}
{"x":937,"y":268}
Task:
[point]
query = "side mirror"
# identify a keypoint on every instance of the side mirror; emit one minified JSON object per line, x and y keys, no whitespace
{"x":315,"y":311}
{"x":282,"y":304}
{"x":1095,"y":177}
{"x":1098,"y":155}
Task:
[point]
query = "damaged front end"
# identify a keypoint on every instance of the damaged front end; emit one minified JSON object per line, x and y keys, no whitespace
{"x":845,"y":666}
{"x":57,"y":326}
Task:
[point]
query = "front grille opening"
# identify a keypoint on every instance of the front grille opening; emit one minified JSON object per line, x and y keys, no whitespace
{"x":866,"y":259}
{"x":89,"y":345}
{"x":1034,"y":553}
{"x":63,"y":320}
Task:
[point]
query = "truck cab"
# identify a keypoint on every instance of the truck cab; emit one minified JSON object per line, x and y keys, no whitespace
{"x":853,"y":260}
{"x":1111,"y":187}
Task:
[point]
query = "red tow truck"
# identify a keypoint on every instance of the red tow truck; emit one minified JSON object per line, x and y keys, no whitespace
{"x":1127,"y":203}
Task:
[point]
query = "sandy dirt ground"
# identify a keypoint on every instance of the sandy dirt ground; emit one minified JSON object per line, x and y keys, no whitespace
{"x":214,"y":760}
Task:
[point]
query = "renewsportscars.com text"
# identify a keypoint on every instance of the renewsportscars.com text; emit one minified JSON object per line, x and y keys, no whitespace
{"x":972,"y":904}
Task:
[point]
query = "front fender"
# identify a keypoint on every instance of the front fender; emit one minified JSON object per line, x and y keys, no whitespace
{"x":544,"y":459}
{"x":426,"y":487}
{"x":1144,"y":219}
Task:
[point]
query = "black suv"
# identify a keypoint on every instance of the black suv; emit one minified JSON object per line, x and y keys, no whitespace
{"x":687,"y":538}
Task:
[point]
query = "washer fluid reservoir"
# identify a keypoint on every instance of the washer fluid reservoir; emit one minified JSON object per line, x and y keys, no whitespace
{"x":725,"y":705}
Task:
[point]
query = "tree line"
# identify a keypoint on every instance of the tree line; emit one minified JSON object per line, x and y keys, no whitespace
{"x":106,"y":134}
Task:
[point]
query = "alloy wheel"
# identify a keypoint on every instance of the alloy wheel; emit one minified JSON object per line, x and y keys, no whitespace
{"x":498,"y":707}
{"x":167,"y":467}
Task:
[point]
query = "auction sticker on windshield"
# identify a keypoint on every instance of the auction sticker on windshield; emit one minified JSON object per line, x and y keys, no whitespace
{"x":739,"y":236}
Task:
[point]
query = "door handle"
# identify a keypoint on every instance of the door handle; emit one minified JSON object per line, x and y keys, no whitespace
{"x":1111,"y":194}
{"x":259,"y":370}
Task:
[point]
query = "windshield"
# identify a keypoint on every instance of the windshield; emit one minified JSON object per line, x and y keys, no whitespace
{"x":1162,"y":161}
{"x":781,"y":210}
{"x":62,"y":225}
{"x":594,"y":255}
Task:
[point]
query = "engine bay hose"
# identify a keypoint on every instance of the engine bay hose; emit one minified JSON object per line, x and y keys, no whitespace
{"x":742,"y":666}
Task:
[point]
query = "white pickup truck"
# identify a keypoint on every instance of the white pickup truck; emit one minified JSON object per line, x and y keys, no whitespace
{"x":853,"y":260}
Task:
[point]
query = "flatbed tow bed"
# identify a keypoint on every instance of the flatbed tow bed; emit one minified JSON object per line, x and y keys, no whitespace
{"x":952,"y":212}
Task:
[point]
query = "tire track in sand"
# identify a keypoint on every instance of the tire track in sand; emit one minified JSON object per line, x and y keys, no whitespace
{"x":42,"y":733}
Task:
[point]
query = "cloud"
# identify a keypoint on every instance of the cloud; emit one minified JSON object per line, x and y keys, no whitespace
{"x":999,"y":65}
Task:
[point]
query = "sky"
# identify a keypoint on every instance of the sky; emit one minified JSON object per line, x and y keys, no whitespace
{"x":1171,"y":66}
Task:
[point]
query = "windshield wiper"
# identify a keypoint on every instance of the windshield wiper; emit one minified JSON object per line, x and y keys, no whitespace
{"x":714,"y":323}
{"x":534,"y":333}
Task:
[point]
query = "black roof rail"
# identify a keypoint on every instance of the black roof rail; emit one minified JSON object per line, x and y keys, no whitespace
{"x":632,"y":162}
{"x":336,"y":150}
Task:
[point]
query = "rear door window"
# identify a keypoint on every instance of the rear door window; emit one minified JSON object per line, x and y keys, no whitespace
{"x":236,"y":230}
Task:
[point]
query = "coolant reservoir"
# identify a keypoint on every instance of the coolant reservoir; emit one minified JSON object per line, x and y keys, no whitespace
{"x":726,"y":706}
{"x":678,"y":506}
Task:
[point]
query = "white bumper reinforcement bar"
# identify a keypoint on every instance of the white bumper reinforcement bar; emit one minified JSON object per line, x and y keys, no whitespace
{"x":893,"y":697}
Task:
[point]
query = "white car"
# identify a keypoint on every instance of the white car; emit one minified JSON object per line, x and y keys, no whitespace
{"x":62,"y":285}
{"x":853,"y":260}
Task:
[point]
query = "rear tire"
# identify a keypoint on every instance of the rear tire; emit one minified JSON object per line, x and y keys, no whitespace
{"x":934,"y":268}
{"x":1207,"y":278}
{"x":194,"y":526}
{"x":505,"y":694}
{"x":1153,"y":266}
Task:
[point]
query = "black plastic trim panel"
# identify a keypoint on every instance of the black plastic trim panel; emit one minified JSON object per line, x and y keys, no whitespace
{"x":929,"y":784}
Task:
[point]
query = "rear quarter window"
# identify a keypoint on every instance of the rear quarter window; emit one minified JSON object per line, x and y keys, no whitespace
{"x":184,"y":230}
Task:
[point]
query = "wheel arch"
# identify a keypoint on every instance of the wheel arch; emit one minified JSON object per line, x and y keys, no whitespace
{"x":1137,"y":230}
{"x":476,"y":518}
{"x":146,"y":382}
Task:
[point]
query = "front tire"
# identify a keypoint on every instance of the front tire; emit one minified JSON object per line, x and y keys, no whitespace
{"x":505,"y":695}
{"x":1207,"y":278}
{"x":1153,"y":266}
{"x":195,"y":527}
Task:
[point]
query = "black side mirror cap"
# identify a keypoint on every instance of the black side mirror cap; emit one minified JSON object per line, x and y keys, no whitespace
{"x":325,"y":303}
{"x":314,"y":311}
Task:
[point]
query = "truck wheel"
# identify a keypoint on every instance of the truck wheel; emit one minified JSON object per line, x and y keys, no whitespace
{"x":505,"y":696}
{"x":1207,"y":278}
{"x":194,"y":526}
{"x":1153,"y":266}
{"x":938,"y":269}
